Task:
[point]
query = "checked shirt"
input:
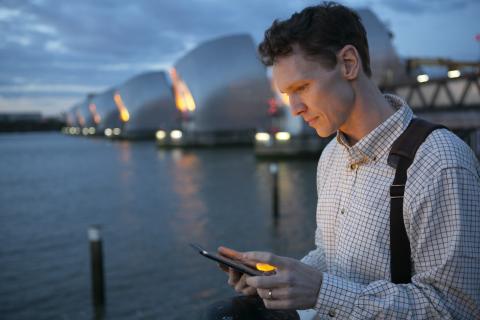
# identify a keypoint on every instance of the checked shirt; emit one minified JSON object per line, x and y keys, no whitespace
{"x":442,"y":218}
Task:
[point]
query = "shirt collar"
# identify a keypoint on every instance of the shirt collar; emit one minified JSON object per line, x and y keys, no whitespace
{"x":378,"y":141}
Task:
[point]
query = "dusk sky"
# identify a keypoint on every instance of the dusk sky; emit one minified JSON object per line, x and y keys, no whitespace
{"x":53,"y":52}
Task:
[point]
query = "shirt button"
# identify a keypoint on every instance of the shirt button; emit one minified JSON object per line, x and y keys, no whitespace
{"x":342,"y":211}
{"x":332,"y":313}
{"x":353,"y":166}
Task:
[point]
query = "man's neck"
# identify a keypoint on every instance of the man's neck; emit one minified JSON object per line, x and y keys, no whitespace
{"x":369,"y":111}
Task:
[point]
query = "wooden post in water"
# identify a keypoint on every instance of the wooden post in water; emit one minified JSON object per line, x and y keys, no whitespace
{"x":96,"y":257}
{"x":274,"y":175}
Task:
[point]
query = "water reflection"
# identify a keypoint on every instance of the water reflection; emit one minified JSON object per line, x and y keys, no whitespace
{"x":126,"y":193}
{"x":151,"y":204}
{"x":190,"y":218}
{"x":291,"y":233}
{"x":125,"y":152}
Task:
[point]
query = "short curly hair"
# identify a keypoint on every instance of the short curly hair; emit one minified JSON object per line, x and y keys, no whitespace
{"x":320,"y":32}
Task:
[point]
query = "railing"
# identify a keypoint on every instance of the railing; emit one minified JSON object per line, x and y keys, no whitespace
{"x":459,"y":93}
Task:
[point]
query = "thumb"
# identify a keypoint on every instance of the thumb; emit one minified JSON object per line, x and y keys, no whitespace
{"x":266,"y":257}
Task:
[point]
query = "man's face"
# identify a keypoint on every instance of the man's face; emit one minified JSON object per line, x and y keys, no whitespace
{"x":321,"y":96}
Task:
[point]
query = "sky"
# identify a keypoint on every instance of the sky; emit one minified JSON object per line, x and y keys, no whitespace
{"x":54,"y":52}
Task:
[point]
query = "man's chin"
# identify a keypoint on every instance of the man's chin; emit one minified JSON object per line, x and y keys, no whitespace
{"x":322,"y":133}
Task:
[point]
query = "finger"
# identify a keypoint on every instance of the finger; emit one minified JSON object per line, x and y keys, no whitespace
{"x":249,"y":291}
{"x":263,"y":293}
{"x":281,"y":293}
{"x":241,"y":284}
{"x":233,"y":277}
{"x":235,"y":255}
{"x":278,"y":304}
{"x":223,"y":267}
{"x":267,"y":282}
{"x":266,"y":257}
{"x":230,"y":253}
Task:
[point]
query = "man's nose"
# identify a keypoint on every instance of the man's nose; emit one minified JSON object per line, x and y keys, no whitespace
{"x":297,"y":107}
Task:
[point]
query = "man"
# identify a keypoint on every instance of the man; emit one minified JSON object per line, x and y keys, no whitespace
{"x":321,"y":61}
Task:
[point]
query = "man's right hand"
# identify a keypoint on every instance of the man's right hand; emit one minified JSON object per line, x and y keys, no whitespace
{"x":236,"y":279}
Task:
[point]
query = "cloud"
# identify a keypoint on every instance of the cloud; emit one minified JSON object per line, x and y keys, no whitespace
{"x":420,"y":7}
{"x":7,"y":14}
{"x":93,"y":43}
{"x":49,"y":88}
{"x":23,"y":41}
{"x":55,"y":46}
{"x":42,"y":28}
{"x":134,"y":66}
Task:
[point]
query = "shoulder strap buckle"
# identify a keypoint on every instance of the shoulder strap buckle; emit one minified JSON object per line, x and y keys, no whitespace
{"x":397,"y":191}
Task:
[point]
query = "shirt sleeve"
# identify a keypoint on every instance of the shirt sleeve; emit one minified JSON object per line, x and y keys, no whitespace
{"x":445,"y":240}
{"x":316,"y":259}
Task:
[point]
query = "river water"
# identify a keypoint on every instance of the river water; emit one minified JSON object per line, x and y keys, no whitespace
{"x":150,"y":204}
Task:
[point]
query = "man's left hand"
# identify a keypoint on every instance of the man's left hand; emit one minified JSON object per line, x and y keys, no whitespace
{"x":294,"y":286}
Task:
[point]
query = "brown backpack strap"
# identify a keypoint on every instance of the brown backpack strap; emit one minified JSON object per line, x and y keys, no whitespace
{"x":401,"y":157}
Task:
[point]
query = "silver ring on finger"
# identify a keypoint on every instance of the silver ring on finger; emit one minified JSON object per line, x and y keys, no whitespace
{"x":270,"y":295}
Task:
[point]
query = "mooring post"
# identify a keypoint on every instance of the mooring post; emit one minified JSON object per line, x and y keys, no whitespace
{"x":96,"y":257}
{"x":274,"y":174}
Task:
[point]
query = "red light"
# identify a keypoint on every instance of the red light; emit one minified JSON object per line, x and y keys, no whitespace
{"x":273,"y":107}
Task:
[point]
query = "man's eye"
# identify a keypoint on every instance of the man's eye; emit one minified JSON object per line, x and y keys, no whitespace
{"x":302,"y":87}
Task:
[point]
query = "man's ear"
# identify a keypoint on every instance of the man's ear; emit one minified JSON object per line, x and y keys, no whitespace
{"x":349,"y":61}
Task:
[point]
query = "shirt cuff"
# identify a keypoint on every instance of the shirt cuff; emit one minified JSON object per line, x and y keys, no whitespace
{"x":337,"y":296}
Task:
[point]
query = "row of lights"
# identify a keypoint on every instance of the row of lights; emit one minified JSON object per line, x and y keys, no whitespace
{"x":259,"y":136}
{"x":451,"y":74}
{"x":174,"y":135}
{"x":112,"y":132}
{"x":77,"y":130}
{"x":265,"y":136}
{"x":91,"y":131}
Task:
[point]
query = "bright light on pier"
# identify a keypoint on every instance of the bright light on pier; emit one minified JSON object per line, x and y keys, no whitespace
{"x":453,"y":74}
{"x":262,"y":136}
{"x":108,"y":132}
{"x":282,"y":136}
{"x":176,"y":134}
{"x":422,"y":78}
{"x":161,"y":135}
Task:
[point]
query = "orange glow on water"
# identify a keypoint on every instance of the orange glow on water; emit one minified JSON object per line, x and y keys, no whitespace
{"x":124,"y":114}
{"x":183,"y":97}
